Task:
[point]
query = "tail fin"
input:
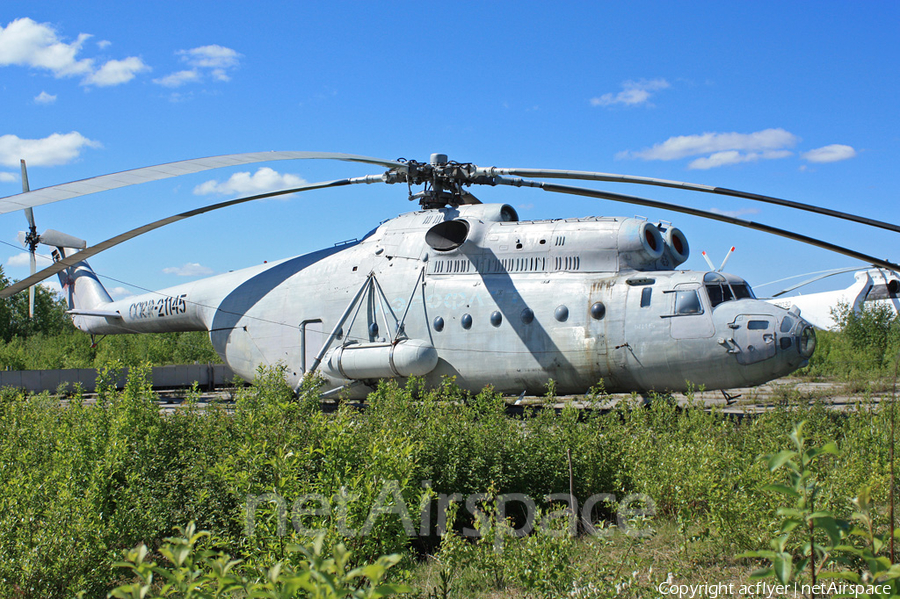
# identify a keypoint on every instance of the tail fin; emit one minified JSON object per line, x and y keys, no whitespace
{"x":84,"y":292}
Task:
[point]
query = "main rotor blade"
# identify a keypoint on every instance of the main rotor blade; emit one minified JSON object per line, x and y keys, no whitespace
{"x":65,"y":191}
{"x":68,"y":261}
{"x":820,"y":274}
{"x":628,"y":199}
{"x":592,"y":176}
{"x":814,"y":279}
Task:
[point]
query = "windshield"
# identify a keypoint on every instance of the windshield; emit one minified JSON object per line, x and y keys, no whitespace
{"x":719,"y":289}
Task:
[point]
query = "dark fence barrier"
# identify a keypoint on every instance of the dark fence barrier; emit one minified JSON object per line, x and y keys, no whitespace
{"x":207,"y":376}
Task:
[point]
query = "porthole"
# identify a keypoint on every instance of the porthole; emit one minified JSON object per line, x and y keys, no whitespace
{"x":466,"y":321}
{"x":527,"y":315}
{"x":598,"y":311}
{"x":438,"y":324}
{"x":496,"y":318}
{"x":561,"y":314}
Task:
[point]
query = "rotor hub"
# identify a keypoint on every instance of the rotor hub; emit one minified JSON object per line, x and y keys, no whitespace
{"x":444,"y":181}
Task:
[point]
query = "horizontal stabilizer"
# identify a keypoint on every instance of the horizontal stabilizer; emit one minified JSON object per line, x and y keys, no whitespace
{"x":100,"y":313}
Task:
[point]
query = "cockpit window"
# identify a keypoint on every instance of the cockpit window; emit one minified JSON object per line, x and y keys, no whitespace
{"x":721,"y":289}
{"x":742,"y":291}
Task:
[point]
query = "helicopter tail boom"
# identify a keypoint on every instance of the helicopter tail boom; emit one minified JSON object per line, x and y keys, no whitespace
{"x":94,"y":311}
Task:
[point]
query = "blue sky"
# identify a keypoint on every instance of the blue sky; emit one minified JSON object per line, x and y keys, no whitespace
{"x":791,"y":99}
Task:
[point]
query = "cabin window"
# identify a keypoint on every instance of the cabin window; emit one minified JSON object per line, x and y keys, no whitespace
{"x":561,"y":314}
{"x":688,"y":302}
{"x":646,"y":292}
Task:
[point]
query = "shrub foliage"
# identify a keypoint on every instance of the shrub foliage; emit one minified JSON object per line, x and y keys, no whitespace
{"x":82,"y":483}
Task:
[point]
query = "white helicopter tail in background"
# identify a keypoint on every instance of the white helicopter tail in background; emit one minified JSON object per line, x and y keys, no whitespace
{"x":872,"y":287}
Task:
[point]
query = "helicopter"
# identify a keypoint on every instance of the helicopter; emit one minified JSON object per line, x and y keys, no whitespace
{"x":461,"y":288}
{"x":873,"y":287}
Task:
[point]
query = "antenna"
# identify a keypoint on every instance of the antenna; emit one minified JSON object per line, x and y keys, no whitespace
{"x":727,"y":256}
{"x":724,"y":262}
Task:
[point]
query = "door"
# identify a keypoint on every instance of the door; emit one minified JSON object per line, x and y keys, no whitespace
{"x":754,"y":337}
{"x":689,"y":319}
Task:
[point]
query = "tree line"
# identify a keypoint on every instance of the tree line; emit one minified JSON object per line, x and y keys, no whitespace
{"x":49,"y":339}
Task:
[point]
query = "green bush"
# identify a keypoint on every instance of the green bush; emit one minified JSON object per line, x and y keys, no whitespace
{"x":867,"y":344}
{"x":81,"y":483}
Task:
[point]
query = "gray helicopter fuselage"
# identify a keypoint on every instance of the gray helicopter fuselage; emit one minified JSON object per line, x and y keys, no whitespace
{"x":473,"y":293}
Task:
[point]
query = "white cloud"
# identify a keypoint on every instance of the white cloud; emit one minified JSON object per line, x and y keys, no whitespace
{"x":191,"y":269}
{"x":213,"y":61}
{"x":706,"y":143}
{"x":59,"y":148}
{"x":263,"y":180}
{"x":116,"y":72}
{"x":720,"y":149}
{"x":735,"y":213}
{"x":104,"y":44}
{"x":8,"y":178}
{"x":26,"y":43}
{"x":734,"y":157}
{"x":632,"y":94}
{"x":211,"y":57}
{"x":17,"y":260}
{"x":119,"y":292}
{"x":178,"y":79}
{"x":831,"y":153}
{"x":44,"y":98}
{"x":23,"y":259}
{"x":52,"y":285}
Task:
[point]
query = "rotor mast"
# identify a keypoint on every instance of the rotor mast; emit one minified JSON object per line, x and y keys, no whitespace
{"x":443,"y":179}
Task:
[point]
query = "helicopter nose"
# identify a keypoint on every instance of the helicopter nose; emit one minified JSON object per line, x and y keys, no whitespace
{"x":797,"y":335}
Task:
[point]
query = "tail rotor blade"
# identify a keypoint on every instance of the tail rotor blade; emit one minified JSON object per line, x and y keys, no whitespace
{"x":62,"y":240}
{"x":29,"y":239}
{"x":26,"y":189}
{"x":31,"y":289}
